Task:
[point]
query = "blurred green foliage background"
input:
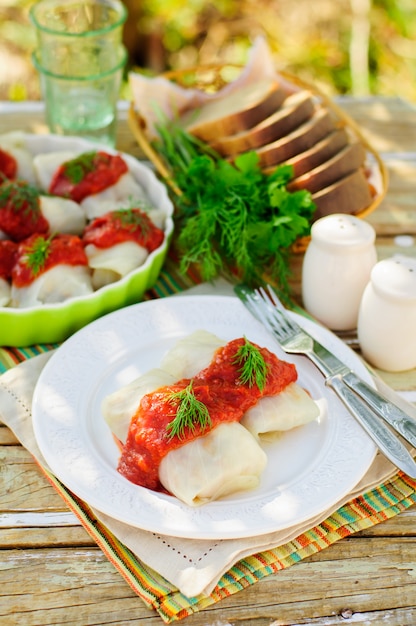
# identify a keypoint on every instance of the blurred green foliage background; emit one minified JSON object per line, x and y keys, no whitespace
{"x":356,"y":47}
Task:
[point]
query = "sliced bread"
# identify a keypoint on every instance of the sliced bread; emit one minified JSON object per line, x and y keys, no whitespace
{"x":238,"y":111}
{"x":295,"y":110}
{"x":344,"y":162}
{"x":351,"y":194}
{"x":301,"y":139}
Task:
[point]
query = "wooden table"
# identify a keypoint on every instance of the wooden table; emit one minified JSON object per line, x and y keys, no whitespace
{"x":52,"y":573}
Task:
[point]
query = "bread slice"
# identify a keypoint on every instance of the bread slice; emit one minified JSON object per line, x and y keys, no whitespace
{"x":238,"y":111}
{"x":351,"y":194}
{"x":319,"y":153}
{"x":295,"y":110}
{"x":304,"y":137}
{"x":344,"y":162}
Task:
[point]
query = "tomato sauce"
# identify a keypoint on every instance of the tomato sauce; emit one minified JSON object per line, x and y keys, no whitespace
{"x":20,"y":214}
{"x":8,"y":164}
{"x":124,"y":225}
{"x":218,"y":387}
{"x":8,"y":252}
{"x":87,"y":174}
{"x":37,"y":254}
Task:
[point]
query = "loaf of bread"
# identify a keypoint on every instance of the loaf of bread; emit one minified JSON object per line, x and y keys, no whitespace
{"x":238,"y":111}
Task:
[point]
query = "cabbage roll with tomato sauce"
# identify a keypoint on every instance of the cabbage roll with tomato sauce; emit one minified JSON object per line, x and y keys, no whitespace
{"x":119,"y":242}
{"x":196,"y":420}
{"x":49,"y":270}
{"x":16,"y":161}
{"x":98,"y":181}
{"x":24,"y":212}
{"x":8,"y":252}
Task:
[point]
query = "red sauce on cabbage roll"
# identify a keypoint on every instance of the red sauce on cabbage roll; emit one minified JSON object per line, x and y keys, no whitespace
{"x":87,"y":174}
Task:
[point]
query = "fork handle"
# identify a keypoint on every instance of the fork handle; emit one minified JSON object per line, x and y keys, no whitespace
{"x":391,"y":413}
{"x":381,"y":434}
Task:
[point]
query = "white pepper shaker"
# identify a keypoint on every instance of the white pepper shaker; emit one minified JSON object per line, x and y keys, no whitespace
{"x":336,"y":269}
{"x":387,"y":316}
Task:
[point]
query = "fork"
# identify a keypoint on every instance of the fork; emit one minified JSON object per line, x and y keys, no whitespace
{"x":362,"y":401}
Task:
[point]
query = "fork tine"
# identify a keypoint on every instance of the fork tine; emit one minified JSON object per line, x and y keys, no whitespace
{"x":277,"y":313}
{"x":274,"y":298}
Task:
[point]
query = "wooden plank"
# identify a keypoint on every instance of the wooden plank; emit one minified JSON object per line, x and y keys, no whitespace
{"x":79,"y":586}
{"x":45,"y":537}
{"x":24,"y":485}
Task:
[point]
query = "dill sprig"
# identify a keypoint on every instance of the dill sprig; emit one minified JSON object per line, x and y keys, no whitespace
{"x":133,"y":219}
{"x":76,"y":169}
{"x":37,"y":254}
{"x":20,"y":195}
{"x":190,"y":412}
{"x":253,"y":368}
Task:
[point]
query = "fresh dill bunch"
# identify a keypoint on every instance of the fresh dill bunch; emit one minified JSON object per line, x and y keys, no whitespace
{"x":253,"y":367}
{"x":231,"y":217}
{"x":190,"y":412}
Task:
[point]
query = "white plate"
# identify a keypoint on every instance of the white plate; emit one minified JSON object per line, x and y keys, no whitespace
{"x":309,"y":469}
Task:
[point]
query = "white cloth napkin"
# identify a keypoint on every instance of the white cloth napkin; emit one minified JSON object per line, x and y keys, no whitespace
{"x":194,"y":566}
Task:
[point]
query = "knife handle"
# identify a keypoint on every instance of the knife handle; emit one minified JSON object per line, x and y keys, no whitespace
{"x":392,"y":414}
{"x":381,"y":434}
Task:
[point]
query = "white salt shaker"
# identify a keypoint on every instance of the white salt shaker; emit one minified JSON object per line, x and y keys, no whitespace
{"x":336,"y":269}
{"x":387,"y":316}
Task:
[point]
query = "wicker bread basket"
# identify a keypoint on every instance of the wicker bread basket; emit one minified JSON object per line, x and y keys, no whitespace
{"x":210,"y":79}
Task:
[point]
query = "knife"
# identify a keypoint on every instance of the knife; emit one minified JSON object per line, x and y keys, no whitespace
{"x":365,"y":403}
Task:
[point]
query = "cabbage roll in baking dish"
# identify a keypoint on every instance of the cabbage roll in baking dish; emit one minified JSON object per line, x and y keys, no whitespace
{"x":24,"y":212}
{"x":194,"y":421}
{"x":99,"y":181}
{"x":8,"y":251}
{"x":118,"y":242}
{"x":49,"y":270}
{"x":16,"y":161}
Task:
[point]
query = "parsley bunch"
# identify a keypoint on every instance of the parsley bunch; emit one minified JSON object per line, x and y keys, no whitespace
{"x":231,"y":217}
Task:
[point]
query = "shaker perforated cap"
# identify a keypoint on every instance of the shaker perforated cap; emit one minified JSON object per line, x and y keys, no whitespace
{"x":341,"y":230}
{"x":395,"y":277}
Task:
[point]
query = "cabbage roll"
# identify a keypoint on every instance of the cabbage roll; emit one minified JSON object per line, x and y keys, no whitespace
{"x":111,"y":264}
{"x":46,"y":165}
{"x":49,"y":270}
{"x":5,"y":292}
{"x":119,"y":406}
{"x":118,"y":242}
{"x":291,"y":408}
{"x":63,"y":215}
{"x":20,"y":213}
{"x":14,"y":145}
{"x":55,"y":285}
{"x":225,"y":461}
{"x":125,"y":192}
{"x":191,"y":354}
{"x":8,"y":252}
